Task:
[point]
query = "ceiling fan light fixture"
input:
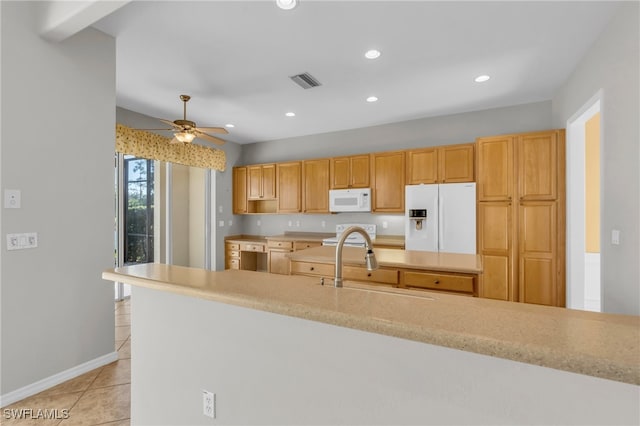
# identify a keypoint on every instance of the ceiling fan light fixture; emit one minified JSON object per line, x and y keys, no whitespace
{"x":482,"y":78}
{"x":185,"y":137}
{"x":286,"y":4}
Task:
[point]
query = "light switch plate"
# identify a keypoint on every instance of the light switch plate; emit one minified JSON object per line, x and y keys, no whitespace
{"x":12,"y":198}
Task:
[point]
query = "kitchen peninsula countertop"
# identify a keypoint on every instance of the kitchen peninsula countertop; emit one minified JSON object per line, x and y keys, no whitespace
{"x":595,"y":344}
{"x":424,"y":260}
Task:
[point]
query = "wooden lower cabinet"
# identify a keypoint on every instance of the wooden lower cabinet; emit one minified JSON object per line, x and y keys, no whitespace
{"x":449,"y":282}
{"x":464,"y":284}
{"x":278,"y":251}
{"x":495,"y":244}
{"x":277,"y":256}
{"x":538,"y":233}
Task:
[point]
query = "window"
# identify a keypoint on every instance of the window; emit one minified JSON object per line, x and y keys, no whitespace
{"x":138,"y":210}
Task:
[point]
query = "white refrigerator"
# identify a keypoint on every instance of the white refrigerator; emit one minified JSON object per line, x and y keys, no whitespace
{"x":441,"y":217}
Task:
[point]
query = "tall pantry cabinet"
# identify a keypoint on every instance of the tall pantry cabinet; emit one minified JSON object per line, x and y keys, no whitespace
{"x":521,"y":216}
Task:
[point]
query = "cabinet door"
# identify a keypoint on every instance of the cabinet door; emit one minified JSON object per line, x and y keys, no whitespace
{"x":495,"y":244}
{"x":495,"y":168}
{"x":359,"y":170}
{"x":254,"y":184}
{"x":279,"y":262}
{"x":239,"y":190}
{"x":315,"y":186}
{"x":340,"y":172}
{"x":456,"y":163}
{"x":537,"y":253}
{"x":269,"y":181}
{"x":537,"y":166}
{"x":388,"y":173}
{"x":422,"y":166}
{"x":288,"y":179}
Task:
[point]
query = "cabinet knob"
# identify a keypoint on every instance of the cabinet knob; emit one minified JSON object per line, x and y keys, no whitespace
{"x":369,"y":274}
{"x":436,"y":282}
{"x":312,"y":268}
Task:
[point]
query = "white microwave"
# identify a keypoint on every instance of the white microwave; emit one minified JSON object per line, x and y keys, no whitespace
{"x":350,"y":200}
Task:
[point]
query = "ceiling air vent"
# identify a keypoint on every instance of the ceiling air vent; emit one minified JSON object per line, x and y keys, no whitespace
{"x":305,"y":80}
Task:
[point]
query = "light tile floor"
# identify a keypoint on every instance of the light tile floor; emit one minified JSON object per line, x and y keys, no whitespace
{"x":99,"y":397}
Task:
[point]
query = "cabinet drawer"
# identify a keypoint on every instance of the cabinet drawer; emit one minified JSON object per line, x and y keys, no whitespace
{"x":301,"y":245}
{"x":233,"y":246}
{"x":435,"y":281}
{"x":307,"y":268}
{"x":252,"y":247}
{"x":288,"y":245}
{"x":234,"y":263}
{"x":387,"y":276}
{"x":233,"y":253}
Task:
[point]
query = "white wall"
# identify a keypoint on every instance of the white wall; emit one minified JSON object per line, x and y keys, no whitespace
{"x":612,"y":64}
{"x":273,"y":369}
{"x":58,"y":133}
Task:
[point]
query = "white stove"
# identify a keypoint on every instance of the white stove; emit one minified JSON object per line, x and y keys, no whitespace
{"x":353,"y":240}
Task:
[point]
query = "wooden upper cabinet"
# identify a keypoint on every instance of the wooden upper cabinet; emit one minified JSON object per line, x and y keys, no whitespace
{"x":239,"y":190}
{"x":537,"y":163}
{"x":422,"y":166}
{"x":456,"y":163}
{"x":261,"y":182}
{"x":387,"y":181}
{"x":289,"y":183}
{"x":495,"y":168}
{"x":350,"y":172}
{"x":443,"y":164}
{"x":315,"y":186}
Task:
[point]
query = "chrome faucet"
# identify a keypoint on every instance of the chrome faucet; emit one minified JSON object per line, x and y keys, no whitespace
{"x":370,"y":257}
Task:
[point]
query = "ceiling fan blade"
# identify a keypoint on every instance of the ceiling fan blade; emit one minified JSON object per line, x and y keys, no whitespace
{"x":170,"y":123}
{"x":212,"y":130}
{"x":210,"y":138}
{"x":158,"y":129}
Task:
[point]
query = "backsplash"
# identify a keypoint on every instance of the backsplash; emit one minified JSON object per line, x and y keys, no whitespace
{"x":276,"y":224}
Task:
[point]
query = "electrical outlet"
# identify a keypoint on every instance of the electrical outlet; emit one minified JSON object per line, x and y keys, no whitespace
{"x":209,"y":404}
{"x":298,"y":223}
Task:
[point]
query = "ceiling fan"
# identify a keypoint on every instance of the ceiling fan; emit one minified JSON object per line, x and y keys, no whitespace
{"x":185,"y":131}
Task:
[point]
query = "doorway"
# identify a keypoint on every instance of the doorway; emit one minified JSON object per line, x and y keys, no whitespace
{"x":584,"y":148}
{"x":134,"y":234}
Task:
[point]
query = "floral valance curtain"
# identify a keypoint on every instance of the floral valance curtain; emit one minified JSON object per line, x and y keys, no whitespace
{"x":156,"y":147}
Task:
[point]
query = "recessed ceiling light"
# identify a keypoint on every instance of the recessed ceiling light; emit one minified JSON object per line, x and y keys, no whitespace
{"x":286,"y":4}
{"x":372,"y":99}
{"x":229,"y":125}
{"x":482,"y":78}
{"x":372,"y":54}
{"x":290,"y":114}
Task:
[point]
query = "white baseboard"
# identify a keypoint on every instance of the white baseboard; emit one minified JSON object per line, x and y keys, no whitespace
{"x":56,"y":379}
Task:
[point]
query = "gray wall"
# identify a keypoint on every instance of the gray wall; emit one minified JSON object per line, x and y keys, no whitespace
{"x":58,"y":117}
{"x":612,"y":65}
{"x":433,"y":131}
{"x":269,"y":369}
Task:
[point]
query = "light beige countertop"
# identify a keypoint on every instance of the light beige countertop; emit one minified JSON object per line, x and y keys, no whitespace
{"x":301,"y":236}
{"x":246,"y":238}
{"x":424,"y":260}
{"x":595,"y":344}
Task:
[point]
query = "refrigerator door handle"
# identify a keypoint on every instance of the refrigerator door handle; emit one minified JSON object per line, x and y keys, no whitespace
{"x":440,"y":223}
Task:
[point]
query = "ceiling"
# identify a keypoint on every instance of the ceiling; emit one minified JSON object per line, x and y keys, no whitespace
{"x":235,"y":58}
